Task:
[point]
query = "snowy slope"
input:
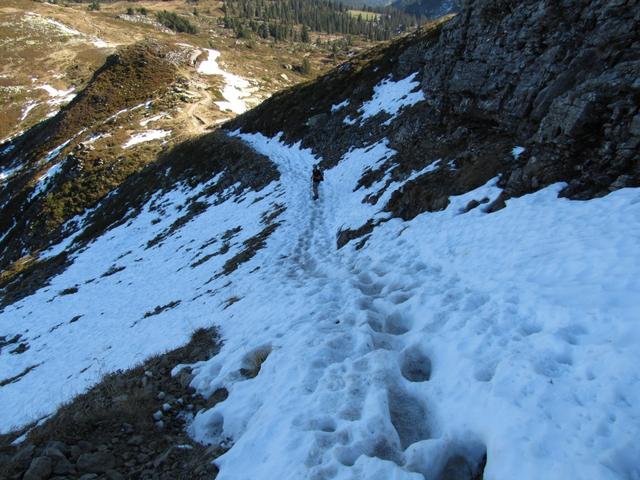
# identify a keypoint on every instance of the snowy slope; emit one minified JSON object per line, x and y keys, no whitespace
{"x":423,"y":350}
{"x":446,"y":337}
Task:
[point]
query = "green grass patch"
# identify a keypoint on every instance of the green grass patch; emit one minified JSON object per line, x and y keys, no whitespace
{"x":368,"y":16}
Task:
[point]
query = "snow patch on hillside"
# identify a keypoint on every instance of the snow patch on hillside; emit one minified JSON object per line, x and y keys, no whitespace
{"x":391,"y":96}
{"x":58,"y":97}
{"x":27,"y":109}
{"x":45,"y":180}
{"x":146,"y":136}
{"x":111,"y":291}
{"x":37,"y":20}
{"x":155,"y":118}
{"x":339,"y":106}
{"x":236,"y":88}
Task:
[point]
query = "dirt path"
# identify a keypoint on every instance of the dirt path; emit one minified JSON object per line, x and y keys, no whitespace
{"x":197,"y":123}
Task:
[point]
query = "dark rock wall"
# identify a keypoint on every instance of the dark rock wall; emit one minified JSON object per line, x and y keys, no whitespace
{"x":562,"y":76}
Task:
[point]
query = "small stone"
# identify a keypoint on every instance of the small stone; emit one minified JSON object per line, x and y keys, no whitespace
{"x":157,"y":415}
{"x":135,"y":440}
{"x":166,"y":407}
{"x":85,"y":446}
{"x":160,"y":424}
{"x":162,"y":457}
{"x":127,"y":428}
{"x":63,"y":447}
{"x":75,"y":452}
{"x":148,"y":374}
{"x":23,"y":457}
{"x":621,"y":182}
{"x":161,"y":395}
{"x":39,"y":469}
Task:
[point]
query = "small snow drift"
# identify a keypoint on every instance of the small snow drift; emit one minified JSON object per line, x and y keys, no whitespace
{"x":390,"y":96}
{"x":146,"y":136}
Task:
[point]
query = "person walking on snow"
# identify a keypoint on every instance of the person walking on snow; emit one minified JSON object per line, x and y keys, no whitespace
{"x":316,"y":177}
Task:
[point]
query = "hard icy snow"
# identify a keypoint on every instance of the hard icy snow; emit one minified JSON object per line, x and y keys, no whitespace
{"x":513,"y":333}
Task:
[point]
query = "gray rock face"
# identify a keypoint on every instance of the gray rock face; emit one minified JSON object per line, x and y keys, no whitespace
{"x":559,"y":75}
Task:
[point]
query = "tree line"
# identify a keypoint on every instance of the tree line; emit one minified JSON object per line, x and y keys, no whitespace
{"x":293,"y":19}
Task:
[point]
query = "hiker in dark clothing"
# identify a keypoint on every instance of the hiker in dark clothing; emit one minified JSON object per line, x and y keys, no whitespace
{"x":316,"y":178}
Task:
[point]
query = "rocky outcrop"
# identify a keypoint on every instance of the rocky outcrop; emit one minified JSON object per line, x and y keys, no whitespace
{"x":562,"y":77}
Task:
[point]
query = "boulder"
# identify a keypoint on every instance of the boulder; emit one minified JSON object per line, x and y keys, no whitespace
{"x":98,"y":462}
{"x":39,"y":469}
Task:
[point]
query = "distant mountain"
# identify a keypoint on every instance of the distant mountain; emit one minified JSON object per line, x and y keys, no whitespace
{"x":368,"y":3}
{"x":427,"y":8}
{"x":424,"y":8}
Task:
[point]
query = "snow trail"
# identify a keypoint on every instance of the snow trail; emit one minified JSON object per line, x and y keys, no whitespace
{"x":444,"y":338}
{"x":400,"y":362}
{"x":362,"y":413}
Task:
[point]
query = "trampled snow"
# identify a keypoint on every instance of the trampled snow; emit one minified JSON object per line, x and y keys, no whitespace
{"x":236,"y":88}
{"x":513,"y":333}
